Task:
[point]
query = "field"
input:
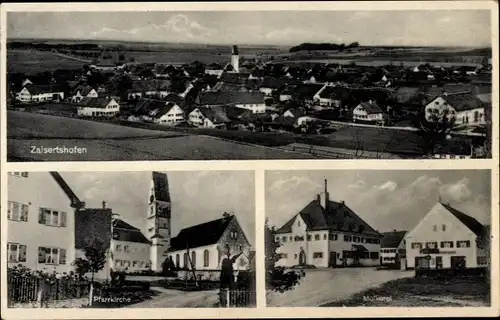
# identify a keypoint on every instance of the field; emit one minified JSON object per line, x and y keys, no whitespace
{"x":107,"y":142}
{"x":31,"y":62}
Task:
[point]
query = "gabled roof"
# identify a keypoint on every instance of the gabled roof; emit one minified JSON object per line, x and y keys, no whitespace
{"x":370,"y":107}
{"x":337,"y":217}
{"x":161,"y":189}
{"x":392,"y":239}
{"x":100,"y":102}
{"x":75,"y":202}
{"x":471,"y":223}
{"x":162,"y":110}
{"x":145,"y":105}
{"x":303,"y":90}
{"x":215,"y":114}
{"x":84,"y":90}
{"x":151,"y":85}
{"x":123,"y":231}
{"x":227,"y":98}
{"x":465,"y":101}
{"x":200,"y":235}
{"x":41,"y":88}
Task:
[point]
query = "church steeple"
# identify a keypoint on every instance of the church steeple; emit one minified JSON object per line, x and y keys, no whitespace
{"x":158,"y":228}
{"x":235,"y":59}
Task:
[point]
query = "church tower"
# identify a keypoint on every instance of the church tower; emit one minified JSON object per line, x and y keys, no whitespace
{"x":235,"y":59}
{"x":158,"y":228}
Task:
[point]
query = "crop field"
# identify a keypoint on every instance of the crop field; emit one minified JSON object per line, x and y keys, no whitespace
{"x":31,"y":61}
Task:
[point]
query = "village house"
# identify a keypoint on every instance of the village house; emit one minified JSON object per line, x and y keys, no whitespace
{"x":327,"y":96}
{"x":326,"y":233}
{"x":159,"y":88}
{"x":98,"y":107}
{"x":392,"y":249}
{"x":270,"y":85}
{"x":302,"y":92}
{"x":201,"y":248}
{"x":105,"y":67}
{"x":40,"y":93}
{"x":129,"y":248}
{"x":368,"y":112}
{"x":40,"y":222}
{"x":466,"y":109}
{"x":212,"y":117}
{"x":250,"y":100}
{"x":84,"y":92}
{"x":169,"y":114}
{"x":447,"y":238}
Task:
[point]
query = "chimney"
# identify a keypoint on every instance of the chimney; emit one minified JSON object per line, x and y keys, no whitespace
{"x":104,"y":204}
{"x":318,"y":198}
{"x":326,"y":197}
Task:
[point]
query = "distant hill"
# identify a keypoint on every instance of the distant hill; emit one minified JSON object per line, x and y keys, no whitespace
{"x":323,"y":47}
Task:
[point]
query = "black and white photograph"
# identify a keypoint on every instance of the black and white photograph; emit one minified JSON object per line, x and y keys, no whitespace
{"x":378,"y":238}
{"x":131,"y":239}
{"x":248,"y":85}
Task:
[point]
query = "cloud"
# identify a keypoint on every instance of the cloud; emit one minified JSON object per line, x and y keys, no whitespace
{"x":388,"y":186}
{"x":359,"y":184}
{"x":178,"y":28}
{"x":287,"y":184}
{"x":304,"y":34}
{"x":457,"y":192}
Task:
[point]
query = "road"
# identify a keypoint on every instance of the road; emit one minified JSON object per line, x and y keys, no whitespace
{"x":179,"y":299}
{"x":321,"y":286}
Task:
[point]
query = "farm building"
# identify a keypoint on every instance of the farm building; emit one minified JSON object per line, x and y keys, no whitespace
{"x":447,"y":238}
{"x":98,"y":107}
{"x":466,"y":109}
{"x":326,"y":233}
{"x":368,"y":112}
{"x":250,"y":100}
{"x":84,"y":92}
{"x":168,"y":114}
{"x":129,"y":248}
{"x":392,"y":248}
{"x":40,"y":93}
{"x":213,"y":117}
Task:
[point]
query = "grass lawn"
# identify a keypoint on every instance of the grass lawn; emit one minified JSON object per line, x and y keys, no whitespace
{"x":32,"y":61}
{"x":423,"y":292}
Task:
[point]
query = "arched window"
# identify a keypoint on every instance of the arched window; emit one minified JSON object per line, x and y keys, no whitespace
{"x":185,"y":264}
{"x":206,"y":258}
{"x":177,"y":261}
{"x":476,"y":116}
{"x":193,"y":260}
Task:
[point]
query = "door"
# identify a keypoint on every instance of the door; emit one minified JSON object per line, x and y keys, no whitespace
{"x":422,"y":263}
{"x":332,"y":262}
{"x":302,"y":257}
{"x":439,"y":262}
{"x":458,"y":262}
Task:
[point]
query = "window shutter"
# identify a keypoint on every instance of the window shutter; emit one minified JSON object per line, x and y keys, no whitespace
{"x":62,"y":219}
{"x":41,"y":255}
{"x":41,"y":216}
{"x":16,"y":211}
{"x":22,"y":253}
{"x":24,"y":212}
{"x":62,"y":256}
{"x":9,"y":210}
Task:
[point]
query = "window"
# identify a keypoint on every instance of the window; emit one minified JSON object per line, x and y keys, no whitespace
{"x":206,"y":258}
{"x":16,"y":252}
{"x":416,"y":245}
{"x":347,"y":238}
{"x":446,"y":244}
{"x":299,"y":238}
{"x":17,"y":211}
{"x":233,"y":235}
{"x":193,"y":259}
{"x":324,"y":236}
{"x":177,"y":261}
{"x":298,"y":223}
{"x":284,"y":238}
{"x":51,"y":217}
{"x":295,"y":256}
{"x":374,"y":255}
{"x":290,"y":238}
{"x":284,"y":256}
{"x":317,"y":255}
{"x":434,"y":228}
{"x":463,"y":244}
{"x":118,"y":247}
{"x":51,"y":255}
{"x":277,"y":239}
{"x":308,"y":237}
{"x":431,"y":245}
{"x":333,"y":236}
{"x":316,"y":237}
{"x":126,"y":249}
{"x":134,"y":264}
{"x":482,"y":260}
{"x":443,"y":227}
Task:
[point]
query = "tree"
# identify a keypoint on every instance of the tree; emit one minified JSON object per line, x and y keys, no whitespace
{"x":277,"y":278}
{"x":168,"y":265}
{"x":121,"y":57}
{"x":435,"y":127}
{"x":94,"y":260}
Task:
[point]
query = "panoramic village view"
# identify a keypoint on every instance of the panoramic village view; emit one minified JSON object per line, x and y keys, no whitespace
{"x":96,"y":240}
{"x":200,"y":86}
{"x":378,"y":238}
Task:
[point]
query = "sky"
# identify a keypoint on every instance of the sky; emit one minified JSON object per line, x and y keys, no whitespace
{"x":386,"y":200}
{"x":283,"y":28}
{"x":197,"y":196}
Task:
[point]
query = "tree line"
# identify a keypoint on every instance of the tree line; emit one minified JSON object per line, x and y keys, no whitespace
{"x":323,"y":46}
